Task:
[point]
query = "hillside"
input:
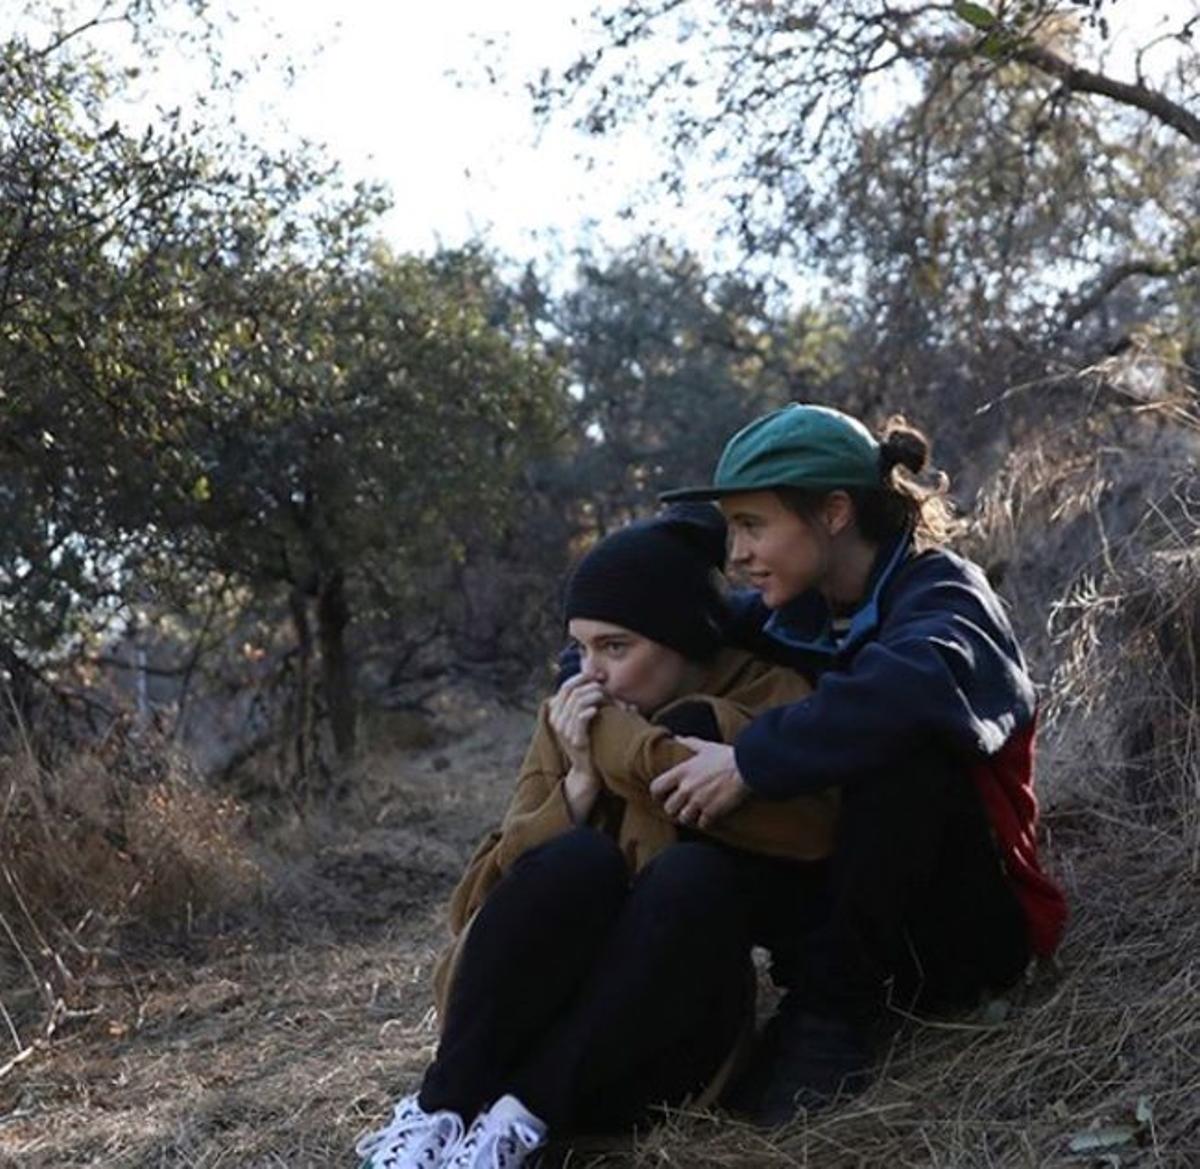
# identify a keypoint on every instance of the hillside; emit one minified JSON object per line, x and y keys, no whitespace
{"x":273,"y":1034}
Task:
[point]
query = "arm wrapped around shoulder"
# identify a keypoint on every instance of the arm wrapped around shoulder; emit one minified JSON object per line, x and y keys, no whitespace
{"x":943,"y":670}
{"x":628,"y":752}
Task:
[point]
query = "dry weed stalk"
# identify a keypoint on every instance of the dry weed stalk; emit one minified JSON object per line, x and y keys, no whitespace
{"x":108,"y":840}
{"x":1130,"y":672}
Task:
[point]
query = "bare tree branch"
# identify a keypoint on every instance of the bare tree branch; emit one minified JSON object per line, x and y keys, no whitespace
{"x":70,"y":34}
{"x":1116,"y":276}
{"x":1140,"y":97}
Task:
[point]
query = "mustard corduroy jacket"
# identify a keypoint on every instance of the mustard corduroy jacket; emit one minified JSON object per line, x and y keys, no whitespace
{"x":628,"y":751}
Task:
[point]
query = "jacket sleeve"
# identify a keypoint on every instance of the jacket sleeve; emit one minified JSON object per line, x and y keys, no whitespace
{"x":628,"y":752}
{"x":943,"y":668}
{"x":537,"y":812}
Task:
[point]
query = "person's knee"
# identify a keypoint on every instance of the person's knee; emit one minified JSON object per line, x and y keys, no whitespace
{"x":925,"y":778}
{"x":690,"y":877}
{"x":905,"y":811}
{"x":582,"y":860}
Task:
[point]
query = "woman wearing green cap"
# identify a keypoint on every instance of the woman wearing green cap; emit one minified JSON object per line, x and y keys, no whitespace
{"x":921,"y":718}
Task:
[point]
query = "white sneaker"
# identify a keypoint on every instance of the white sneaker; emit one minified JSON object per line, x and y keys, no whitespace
{"x":412,"y":1139}
{"x":503,"y":1137}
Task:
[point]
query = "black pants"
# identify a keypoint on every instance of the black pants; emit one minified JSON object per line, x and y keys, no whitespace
{"x":920,"y":911}
{"x":593,"y":999}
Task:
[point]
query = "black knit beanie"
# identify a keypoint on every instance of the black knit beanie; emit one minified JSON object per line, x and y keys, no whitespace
{"x":658,"y":577}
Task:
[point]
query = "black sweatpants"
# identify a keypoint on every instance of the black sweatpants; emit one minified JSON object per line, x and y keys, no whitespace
{"x":592,"y":998}
{"x":920,"y":910}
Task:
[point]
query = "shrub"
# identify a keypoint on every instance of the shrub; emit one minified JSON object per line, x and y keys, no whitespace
{"x":117,"y":838}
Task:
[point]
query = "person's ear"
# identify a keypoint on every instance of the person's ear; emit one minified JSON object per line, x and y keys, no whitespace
{"x":837,"y":512}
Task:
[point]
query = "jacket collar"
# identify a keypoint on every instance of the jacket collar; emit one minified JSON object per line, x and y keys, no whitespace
{"x":722,"y":673}
{"x":805,"y":623}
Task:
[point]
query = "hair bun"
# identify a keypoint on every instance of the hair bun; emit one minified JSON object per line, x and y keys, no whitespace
{"x":903,"y":445}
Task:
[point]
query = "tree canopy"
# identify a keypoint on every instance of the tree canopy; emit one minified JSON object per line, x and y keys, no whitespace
{"x":666,"y":361}
{"x":214,"y":377}
{"x":958,"y":168}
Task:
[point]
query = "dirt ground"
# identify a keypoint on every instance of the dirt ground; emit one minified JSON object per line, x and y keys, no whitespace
{"x":277,"y":1036}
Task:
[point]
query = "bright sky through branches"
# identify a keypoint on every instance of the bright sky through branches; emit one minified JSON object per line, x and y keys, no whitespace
{"x":433,"y":101}
{"x":401,"y":92}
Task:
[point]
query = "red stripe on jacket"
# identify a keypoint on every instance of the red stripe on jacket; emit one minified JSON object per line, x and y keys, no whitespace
{"x":1005,"y":782}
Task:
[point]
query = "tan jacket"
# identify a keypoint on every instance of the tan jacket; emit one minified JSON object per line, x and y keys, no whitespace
{"x":627,"y":753}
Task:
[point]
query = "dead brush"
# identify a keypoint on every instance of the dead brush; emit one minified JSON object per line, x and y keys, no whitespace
{"x":99,"y":847}
{"x":1129,"y":680}
{"x":1091,"y":497}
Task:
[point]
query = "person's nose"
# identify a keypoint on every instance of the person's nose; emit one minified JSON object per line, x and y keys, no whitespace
{"x":739,"y":551}
{"x":590,"y":665}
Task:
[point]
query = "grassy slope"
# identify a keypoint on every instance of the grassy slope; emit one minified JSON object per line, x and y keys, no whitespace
{"x":276,"y":1040}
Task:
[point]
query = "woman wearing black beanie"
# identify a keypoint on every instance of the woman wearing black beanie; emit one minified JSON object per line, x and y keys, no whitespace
{"x":660,"y":578}
{"x":601,"y":959}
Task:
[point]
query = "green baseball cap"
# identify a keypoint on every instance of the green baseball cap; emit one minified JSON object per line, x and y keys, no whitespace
{"x":798,"y":446}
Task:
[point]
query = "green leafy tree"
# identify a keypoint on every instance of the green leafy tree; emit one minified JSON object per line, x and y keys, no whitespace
{"x":116,"y":252}
{"x":665,"y":363}
{"x":362,"y":430}
{"x":215,"y":382}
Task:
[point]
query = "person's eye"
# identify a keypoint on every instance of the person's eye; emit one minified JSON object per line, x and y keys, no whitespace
{"x":617,"y":649}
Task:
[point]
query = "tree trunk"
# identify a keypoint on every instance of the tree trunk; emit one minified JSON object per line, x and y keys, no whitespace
{"x":302,"y":711}
{"x":333,"y":615}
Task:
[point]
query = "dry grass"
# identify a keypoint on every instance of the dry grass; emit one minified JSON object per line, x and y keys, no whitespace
{"x":276,"y":1042}
{"x":1115,"y":1029}
{"x":276,"y":1038}
{"x":100,"y":850}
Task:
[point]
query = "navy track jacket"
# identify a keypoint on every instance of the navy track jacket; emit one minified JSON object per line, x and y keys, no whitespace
{"x":928,"y":660}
